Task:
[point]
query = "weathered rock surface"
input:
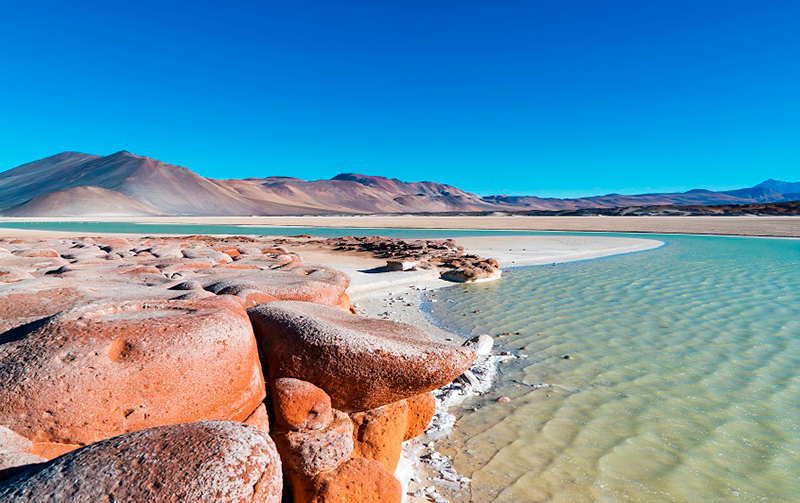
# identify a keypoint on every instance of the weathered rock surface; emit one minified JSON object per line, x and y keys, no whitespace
{"x":36,"y":252}
{"x":310,"y":284}
{"x":379,"y":433}
{"x":308,"y":452}
{"x":203,"y":461}
{"x":259,"y":418}
{"x":421,"y":409}
{"x":13,"y":274}
{"x":361,"y":363}
{"x":481,"y":344}
{"x":358,"y":480}
{"x":472,"y":270}
{"x":402,"y":255}
{"x":98,"y":371}
{"x":299,"y":405}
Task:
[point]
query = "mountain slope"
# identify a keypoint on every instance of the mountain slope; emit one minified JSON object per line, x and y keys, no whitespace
{"x":39,"y":177}
{"x":81,"y":201}
{"x":77,"y":184}
{"x":780,"y":187}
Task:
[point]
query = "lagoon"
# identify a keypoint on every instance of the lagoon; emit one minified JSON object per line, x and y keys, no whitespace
{"x":682,"y":382}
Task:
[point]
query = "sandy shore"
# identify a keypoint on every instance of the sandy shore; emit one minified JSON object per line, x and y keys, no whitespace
{"x":395,"y":292}
{"x":788,"y":226}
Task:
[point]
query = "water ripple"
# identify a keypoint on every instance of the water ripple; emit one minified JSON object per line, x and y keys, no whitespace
{"x":682,"y":383}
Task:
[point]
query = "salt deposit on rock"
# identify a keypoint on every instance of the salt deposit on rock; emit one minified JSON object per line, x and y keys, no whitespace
{"x":204,"y":461}
{"x":309,"y":452}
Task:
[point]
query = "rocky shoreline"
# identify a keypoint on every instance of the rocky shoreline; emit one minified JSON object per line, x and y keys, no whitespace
{"x":180,"y":332}
{"x":115,"y":345}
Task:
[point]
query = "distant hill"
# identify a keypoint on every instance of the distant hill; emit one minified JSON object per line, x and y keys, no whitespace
{"x":780,"y":187}
{"x":762,"y":209}
{"x":77,"y":184}
{"x":81,"y":201}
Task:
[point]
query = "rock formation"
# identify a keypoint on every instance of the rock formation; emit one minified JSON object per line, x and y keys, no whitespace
{"x":131,"y":370}
{"x":94,"y":372}
{"x":403,"y":255}
{"x":361,"y":363}
{"x":205,"y":461}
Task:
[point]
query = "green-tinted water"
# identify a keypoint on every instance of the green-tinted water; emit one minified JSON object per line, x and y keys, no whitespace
{"x":252,"y":230}
{"x":683,"y":382}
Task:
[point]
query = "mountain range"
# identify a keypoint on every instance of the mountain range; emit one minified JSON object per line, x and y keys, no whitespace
{"x":125,"y":184}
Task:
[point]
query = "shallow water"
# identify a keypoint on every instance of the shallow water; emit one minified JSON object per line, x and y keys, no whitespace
{"x":683,"y":382}
{"x":250,"y":230}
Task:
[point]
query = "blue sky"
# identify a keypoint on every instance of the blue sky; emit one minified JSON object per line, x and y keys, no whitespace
{"x":549,"y":98}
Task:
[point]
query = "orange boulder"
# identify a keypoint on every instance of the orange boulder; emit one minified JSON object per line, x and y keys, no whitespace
{"x":361,"y":363}
{"x":19,"y":308}
{"x":320,"y":285}
{"x":421,"y":409}
{"x":358,"y":480}
{"x":36,"y":253}
{"x":259,"y":418}
{"x":205,"y":461}
{"x":308,"y":452}
{"x":13,"y":274}
{"x":379,"y":433}
{"x":104,"y":369}
{"x":299,"y":405}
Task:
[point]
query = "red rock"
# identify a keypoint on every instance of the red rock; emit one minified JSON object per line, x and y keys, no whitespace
{"x":379,"y":433}
{"x":308,"y":452}
{"x":299,"y":405}
{"x":238,"y":266}
{"x":231,"y":252}
{"x":204,"y":461}
{"x":36,"y":253}
{"x":421,"y":409}
{"x":206,"y":253}
{"x":24,"y":307}
{"x":319,"y":285}
{"x":259,"y":418}
{"x":13,"y":274}
{"x":358,"y":480}
{"x":104,"y":369}
{"x":114,"y":242}
{"x":361,"y":363}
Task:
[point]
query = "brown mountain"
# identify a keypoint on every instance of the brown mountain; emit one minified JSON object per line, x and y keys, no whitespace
{"x":79,"y":202}
{"x":76,"y":184}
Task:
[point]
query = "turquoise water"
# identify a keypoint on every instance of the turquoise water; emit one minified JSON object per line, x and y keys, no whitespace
{"x":252,"y":230}
{"x":683,"y":382}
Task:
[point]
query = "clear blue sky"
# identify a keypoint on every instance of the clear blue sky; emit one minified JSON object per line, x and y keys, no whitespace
{"x":542,"y":97}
